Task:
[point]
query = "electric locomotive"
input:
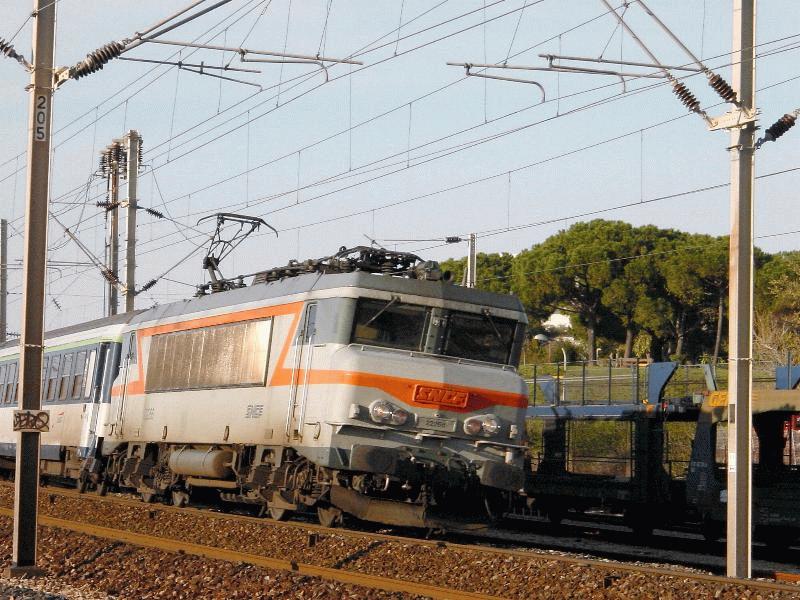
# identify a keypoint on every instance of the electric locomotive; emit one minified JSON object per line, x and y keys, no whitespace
{"x":362,"y":384}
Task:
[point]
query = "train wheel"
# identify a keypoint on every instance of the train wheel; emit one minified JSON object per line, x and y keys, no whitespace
{"x":556,"y":514}
{"x":712,"y":530}
{"x":778,"y":538}
{"x":180,"y":498}
{"x":642,"y":529}
{"x":83,"y":483}
{"x":279,"y":514}
{"x":640,"y":522}
{"x":329,"y":516}
{"x":148,"y":497}
{"x":102,"y":488}
{"x":497,"y":505}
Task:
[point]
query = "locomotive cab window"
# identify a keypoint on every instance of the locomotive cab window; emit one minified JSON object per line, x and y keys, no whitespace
{"x":131,"y":350}
{"x":389,"y":323}
{"x":479,"y":337}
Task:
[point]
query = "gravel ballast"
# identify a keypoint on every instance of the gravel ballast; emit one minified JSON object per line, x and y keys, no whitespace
{"x":82,"y":567}
{"x":480,"y":570}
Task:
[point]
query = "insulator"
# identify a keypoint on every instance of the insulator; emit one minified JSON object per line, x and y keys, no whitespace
{"x":686,"y":96}
{"x":452,"y":239}
{"x":148,"y":285}
{"x":156,"y":213}
{"x":779,"y":127}
{"x":109,"y":276}
{"x":140,"y":154}
{"x":107,"y":205}
{"x":94,"y":61}
{"x":7,"y":49}
{"x":722,"y":87}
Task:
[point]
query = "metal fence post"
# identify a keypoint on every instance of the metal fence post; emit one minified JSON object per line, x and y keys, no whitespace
{"x":558,"y":383}
{"x":583,"y":383}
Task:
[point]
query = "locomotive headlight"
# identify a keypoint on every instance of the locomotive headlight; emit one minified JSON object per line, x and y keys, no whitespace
{"x":472,"y":426}
{"x":399,"y":416}
{"x":490,"y":425}
{"x":381,"y":411}
{"x":487,"y":425}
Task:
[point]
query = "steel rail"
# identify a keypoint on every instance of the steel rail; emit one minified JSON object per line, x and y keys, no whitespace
{"x":332,"y":574}
{"x":606,"y":565}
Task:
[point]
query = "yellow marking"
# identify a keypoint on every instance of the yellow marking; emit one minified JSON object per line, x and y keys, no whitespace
{"x":718,"y":398}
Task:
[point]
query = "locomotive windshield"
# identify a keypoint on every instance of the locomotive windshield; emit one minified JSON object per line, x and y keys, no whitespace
{"x":393,"y":324}
{"x":479,"y":337}
{"x":390,"y":323}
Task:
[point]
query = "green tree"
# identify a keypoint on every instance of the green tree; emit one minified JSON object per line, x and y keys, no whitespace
{"x":777,"y":319}
{"x":770,"y":297}
{"x":494,"y":271}
{"x":696,"y":276}
{"x":638,"y":280}
{"x":570,"y":270}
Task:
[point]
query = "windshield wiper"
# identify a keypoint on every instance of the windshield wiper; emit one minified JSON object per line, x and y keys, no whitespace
{"x":383,"y":310}
{"x":488,"y":317}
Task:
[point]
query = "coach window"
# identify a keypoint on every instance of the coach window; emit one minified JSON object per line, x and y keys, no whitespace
{"x":79,"y":373}
{"x":66,"y":375}
{"x":5,"y":389}
{"x":89,"y":374}
{"x":14,"y":389}
{"x":43,"y":388}
{"x":52,"y":377}
{"x":3,"y":371}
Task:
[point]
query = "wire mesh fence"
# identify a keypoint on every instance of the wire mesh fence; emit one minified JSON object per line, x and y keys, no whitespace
{"x":626,"y":381}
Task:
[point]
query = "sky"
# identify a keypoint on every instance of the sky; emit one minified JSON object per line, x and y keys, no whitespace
{"x":403,"y":149}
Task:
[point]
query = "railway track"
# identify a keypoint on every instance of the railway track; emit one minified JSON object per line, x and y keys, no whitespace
{"x":603,"y":541}
{"x":332,"y":574}
{"x":345,"y":570}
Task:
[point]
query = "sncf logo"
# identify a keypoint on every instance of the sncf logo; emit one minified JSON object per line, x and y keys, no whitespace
{"x":442,"y":396}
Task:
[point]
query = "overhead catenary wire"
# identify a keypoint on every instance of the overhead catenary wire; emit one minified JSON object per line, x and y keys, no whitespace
{"x":776,"y":84}
{"x":627,"y":205}
{"x":125,"y":88}
{"x":401,"y":202}
{"x":348,"y":74}
{"x":717,"y":83}
{"x":628,"y":258}
{"x":608,"y":209}
{"x":398,"y":107}
{"x":259,"y":116}
{"x":97,"y":59}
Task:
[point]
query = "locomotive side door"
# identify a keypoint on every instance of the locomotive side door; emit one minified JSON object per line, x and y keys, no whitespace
{"x":303,"y":352}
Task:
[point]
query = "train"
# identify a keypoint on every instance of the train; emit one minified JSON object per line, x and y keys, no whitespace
{"x":662,"y":461}
{"x":365,"y":384}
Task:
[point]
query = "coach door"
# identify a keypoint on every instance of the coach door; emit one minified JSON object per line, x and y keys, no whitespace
{"x":303,"y":354}
{"x":90,"y":380}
